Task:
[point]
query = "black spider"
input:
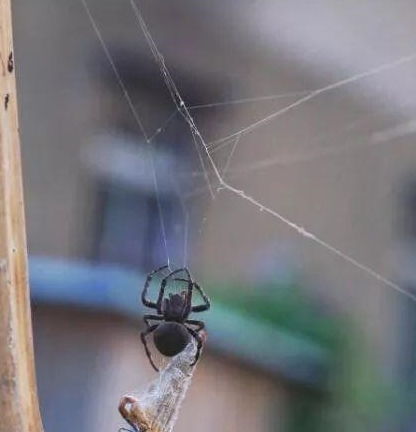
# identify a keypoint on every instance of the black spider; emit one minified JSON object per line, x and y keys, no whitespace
{"x":173,"y":334}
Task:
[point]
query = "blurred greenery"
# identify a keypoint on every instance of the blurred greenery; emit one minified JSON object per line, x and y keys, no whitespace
{"x":355,"y":397}
{"x":283,"y":305}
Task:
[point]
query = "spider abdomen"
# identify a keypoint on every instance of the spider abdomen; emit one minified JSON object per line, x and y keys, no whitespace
{"x":171,"y":338}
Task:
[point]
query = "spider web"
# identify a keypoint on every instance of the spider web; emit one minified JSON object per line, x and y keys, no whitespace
{"x":215,"y":179}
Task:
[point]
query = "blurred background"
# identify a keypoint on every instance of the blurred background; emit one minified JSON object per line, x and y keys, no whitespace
{"x":298,"y":338}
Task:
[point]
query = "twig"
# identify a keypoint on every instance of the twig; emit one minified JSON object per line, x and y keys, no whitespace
{"x":156,"y":409}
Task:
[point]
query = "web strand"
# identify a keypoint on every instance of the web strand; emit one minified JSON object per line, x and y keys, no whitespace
{"x":204,"y":170}
{"x":162,"y":128}
{"x":185,"y":236}
{"x":227,"y":163}
{"x":376,"y":139}
{"x":185,"y":215}
{"x":318,"y":153}
{"x":313,"y":95}
{"x":149,"y":149}
{"x":251,"y":100}
{"x":159,"y":207}
{"x":224,"y":185}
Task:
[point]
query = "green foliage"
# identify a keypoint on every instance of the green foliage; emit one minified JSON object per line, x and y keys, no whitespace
{"x":284,"y":306}
{"x":355,"y":398}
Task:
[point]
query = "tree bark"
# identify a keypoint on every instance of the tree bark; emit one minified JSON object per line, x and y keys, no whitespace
{"x":19,"y":410}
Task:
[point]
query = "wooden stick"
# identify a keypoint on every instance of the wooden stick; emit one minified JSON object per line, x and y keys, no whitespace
{"x":19,"y":410}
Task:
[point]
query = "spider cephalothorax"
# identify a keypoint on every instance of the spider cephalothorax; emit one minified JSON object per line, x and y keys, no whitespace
{"x":174,"y":331}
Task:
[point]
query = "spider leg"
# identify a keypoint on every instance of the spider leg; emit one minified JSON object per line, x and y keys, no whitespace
{"x":199,"y":324}
{"x":185,"y":270}
{"x":143,"y":338}
{"x":164,"y":283}
{"x":188,"y":303}
{"x":206,"y":305}
{"x":147,"y":318}
{"x":198,"y":346}
{"x":145,"y":301}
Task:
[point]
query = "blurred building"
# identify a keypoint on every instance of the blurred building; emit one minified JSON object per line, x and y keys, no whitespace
{"x":337,"y":164}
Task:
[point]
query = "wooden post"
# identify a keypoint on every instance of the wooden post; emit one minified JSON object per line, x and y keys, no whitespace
{"x":19,"y":411}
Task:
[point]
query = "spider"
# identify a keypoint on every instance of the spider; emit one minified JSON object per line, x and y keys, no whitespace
{"x":173,"y":333}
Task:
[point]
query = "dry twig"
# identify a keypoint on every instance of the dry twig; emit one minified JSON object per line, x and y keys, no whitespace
{"x":156,"y":409}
